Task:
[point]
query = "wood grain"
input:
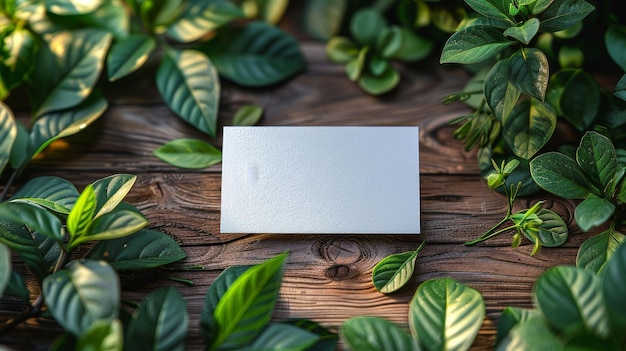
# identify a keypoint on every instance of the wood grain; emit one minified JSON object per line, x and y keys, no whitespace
{"x":328,"y":277}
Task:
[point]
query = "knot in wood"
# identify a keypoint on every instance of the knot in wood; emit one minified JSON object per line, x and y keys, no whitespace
{"x":340,"y":272}
{"x":342,"y":252}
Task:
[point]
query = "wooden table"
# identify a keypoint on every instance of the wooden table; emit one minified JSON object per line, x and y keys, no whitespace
{"x":327,"y":277}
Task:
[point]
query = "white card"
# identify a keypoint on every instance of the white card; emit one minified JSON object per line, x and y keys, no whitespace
{"x":320,"y":180}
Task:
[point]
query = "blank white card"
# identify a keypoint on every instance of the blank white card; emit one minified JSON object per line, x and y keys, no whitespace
{"x":320,"y":180}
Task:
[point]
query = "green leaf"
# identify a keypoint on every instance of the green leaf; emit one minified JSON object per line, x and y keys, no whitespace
{"x":190,"y":86}
{"x":529,"y":71}
{"x":374,"y":334}
{"x":615,"y":42}
{"x":142,"y":250}
{"x":580,"y":99}
{"x":256,"y":55}
{"x":474,"y":44}
{"x":21,"y":47}
{"x":112,"y":15}
{"x":201,"y":17}
{"x":413,"y":47}
{"x":440,"y":309}
{"x":593,"y":211}
{"x":68,"y":69}
{"x":365,"y":26}
{"x":113,"y":225}
{"x":510,"y":317}
{"x":614,"y":289}
{"x":51,"y":192}
{"x":110,"y":191}
{"x":500,"y":94}
{"x":562,"y":14}
{"x":533,"y":334}
{"x":559,"y":175}
{"x":159,"y":322}
{"x":214,"y":294}
{"x":17,"y":287}
{"x":271,"y":11}
{"x":596,"y":155}
{"x":83,"y":293}
{"x":34,"y":217}
{"x":247,"y":306}
{"x":79,"y":219}
{"x":354,"y":67}
{"x":529,"y":127}
{"x":281,"y":336}
{"x":156,"y":15}
{"x":553,"y":230}
{"x":56,"y":125}
{"x":341,"y":50}
{"x":189,"y":153}
{"x":327,"y":339}
{"x":8,"y":133}
{"x":72,"y":7}
{"x":103,"y":335}
{"x":323,"y":18}
{"x":524,"y":33}
{"x":496,"y":9}
{"x":20,"y":150}
{"x":595,"y":252}
{"x":128,"y":54}
{"x":394,"y":271}
{"x":570,"y":300}
{"x":6,"y":268}
{"x":376,"y":85}
{"x":248,"y":115}
{"x":620,"y":88}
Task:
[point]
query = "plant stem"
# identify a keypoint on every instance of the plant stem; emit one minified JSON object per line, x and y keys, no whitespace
{"x":5,"y":191}
{"x":489,"y":235}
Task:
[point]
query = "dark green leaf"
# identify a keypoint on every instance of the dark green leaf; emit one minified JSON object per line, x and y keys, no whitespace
{"x":341,"y":50}
{"x":280,"y":336}
{"x":256,"y":55}
{"x":534,"y":334}
{"x":248,"y":115}
{"x":524,"y":33}
{"x":34,"y":217}
{"x":189,"y":153}
{"x":580,"y":100}
{"x":327,"y":339}
{"x":562,"y":14}
{"x":375,"y":334}
{"x":201,"y":17}
{"x":593,"y":211}
{"x":159,"y":322}
{"x":72,"y":7}
{"x":570,"y":300}
{"x":620,"y":88}
{"x":496,"y":9}
{"x":474,"y":44}
{"x":17,"y":287}
{"x":113,"y":225}
{"x":596,"y":155}
{"x":110,"y":191}
{"x":128,"y":55}
{"x":21,"y":47}
{"x":60,"y":193}
{"x":412,"y":46}
{"x":510,"y":317}
{"x":6,"y":268}
{"x":528,"y":71}
{"x":103,"y":335}
{"x":595,"y":252}
{"x":500,"y":94}
{"x":79,"y":219}
{"x":553,"y":230}
{"x":559,"y":175}
{"x":83,"y":293}
{"x":394,"y":271}
{"x":529,"y":127}
{"x":365,"y":26}
{"x":142,"y":250}
{"x":376,"y":85}
{"x":68,"y":69}
{"x":189,"y":84}
{"x":112,"y":16}
{"x":614,"y":289}
{"x":440,"y":309}
{"x":158,"y":14}
{"x":322,"y":18}
{"x":56,"y":125}
{"x":247,"y":306}
{"x":8,"y":133}
{"x":20,"y":153}
{"x":214,"y":294}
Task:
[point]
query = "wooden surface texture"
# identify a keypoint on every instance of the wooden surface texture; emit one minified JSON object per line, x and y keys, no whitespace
{"x":327,"y":277}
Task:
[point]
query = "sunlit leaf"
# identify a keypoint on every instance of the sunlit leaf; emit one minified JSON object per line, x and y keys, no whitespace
{"x":271,"y":11}
{"x":474,"y":44}
{"x":189,"y":84}
{"x":142,"y":250}
{"x":34,"y":217}
{"x":559,"y":175}
{"x":510,"y":317}
{"x":593,"y":211}
{"x":248,"y":115}
{"x":595,"y":252}
{"x":72,"y":7}
{"x":529,"y":71}
{"x":159,"y":322}
{"x":322,"y":18}
{"x":112,"y":225}
{"x":68,"y":69}
{"x":281,"y":336}
{"x":614,"y":289}
{"x":21,"y":47}
{"x":6,"y":268}
{"x":341,"y":50}
{"x":394,"y":271}
{"x":111,"y":190}
{"x":201,"y":17}
{"x":255,"y":55}
{"x":375,"y":334}
{"x":500,"y":94}
{"x":60,"y":193}
{"x":128,"y":55}
{"x":445,"y":315}
{"x":81,"y":215}
{"x":83,"y":293}
{"x":103,"y":335}
{"x":529,"y":127}
{"x":569,"y":299}
{"x":113,"y":16}
{"x":247,"y":306}
{"x":189,"y":153}
{"x":8,"y":133}
{"x":156,"y":15}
